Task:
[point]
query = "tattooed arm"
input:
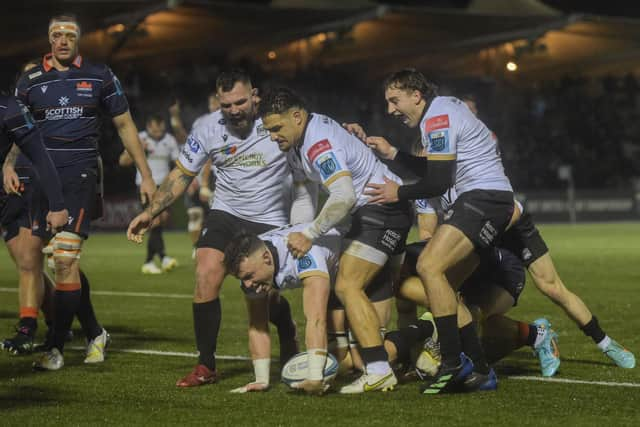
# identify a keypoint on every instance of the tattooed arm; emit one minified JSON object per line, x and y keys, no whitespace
{"x":173,"y":186}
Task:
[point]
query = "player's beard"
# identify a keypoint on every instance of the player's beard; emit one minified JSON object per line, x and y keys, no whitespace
{"x":241,"y":123}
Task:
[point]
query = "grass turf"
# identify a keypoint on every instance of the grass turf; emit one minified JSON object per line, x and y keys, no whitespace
{"x":598,"y":262}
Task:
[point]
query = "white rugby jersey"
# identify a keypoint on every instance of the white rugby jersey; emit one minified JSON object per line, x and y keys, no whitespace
{"x":451,"y":131}
{"x":329,"y":152}
{"x":321,"y":260}
{"x":159,"y":154}
{"x":253,"y":180}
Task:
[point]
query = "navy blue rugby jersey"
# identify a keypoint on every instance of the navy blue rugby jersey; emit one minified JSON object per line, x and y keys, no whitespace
{"x":15,"y":123}
{"x":65,"y":105}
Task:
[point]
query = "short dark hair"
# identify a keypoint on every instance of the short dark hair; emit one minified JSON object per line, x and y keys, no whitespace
{"x":155,"y":117}
{"x":411,"y":79}
{"x":277,"y":100}
{"x":227,"y":79}
{"x":66,"y":17}
{"x":241,"y":246}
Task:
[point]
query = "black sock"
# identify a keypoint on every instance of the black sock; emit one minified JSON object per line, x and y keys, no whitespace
{"x":592,"y":329}
{"x":532,"y":335}
{"x":85,"y":314}
{"x":405,"y":338}
{"x":449,"y":337}
{"x":373,"y":354}
{"x":472,"y":348}
{"x":280,"y":316}
{"x":66,"y":306}
{"x":206,"y":324}
{"x":155,"y":243}
{"x":30,"y":325}
{"x":159,"y":242}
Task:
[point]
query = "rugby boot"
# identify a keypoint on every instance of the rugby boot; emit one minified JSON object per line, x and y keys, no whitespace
{"x":448,"y":378}
{"x":547,"y":348}
{"x":481,"y":382}
{"x":371,"y":382}
{"x":168,"y":263}
{"x":200,"y":375}
{"x":620,"y":355}
{"x":20,"y":343}
{"x":96,"y":348}
{"x":50,"y":360}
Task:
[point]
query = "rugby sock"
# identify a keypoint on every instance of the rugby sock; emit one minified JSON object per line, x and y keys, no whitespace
{"x":206,"y":324}
{"x":155,"y":244}
{"x":375,"y":359}
{"x":449,"y":337}
{"x":28,"y":320}
{"x":593,"y":330}
{"x":472,"y":348}
{"x":160,"y":243}
{"x":527,"y":334}
{"x":405,"y":338}
{"x":67,"y":300}
{"x":86,"y":315}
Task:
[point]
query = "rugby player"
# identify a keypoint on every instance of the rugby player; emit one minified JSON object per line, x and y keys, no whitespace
{"x":253,"y":193}
{"x":524,"y":240}
{"x":64,"y":94}
{"x":326,"y":153}
{"x":161,"y":149}
{"x":460,"y":153}
{"x":18,"y":126}
{"x":264,"y":262}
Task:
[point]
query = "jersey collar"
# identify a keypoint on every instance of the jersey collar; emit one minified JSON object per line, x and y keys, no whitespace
{"x":46,"y":62}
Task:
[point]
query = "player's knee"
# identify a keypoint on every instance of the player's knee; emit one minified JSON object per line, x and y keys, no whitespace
{"x":428,"y":266}
{"x":209,"y":277}
{"x":66,"y":251}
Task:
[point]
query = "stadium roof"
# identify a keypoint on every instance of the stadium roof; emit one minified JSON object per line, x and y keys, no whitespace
{"x":475,"y":41}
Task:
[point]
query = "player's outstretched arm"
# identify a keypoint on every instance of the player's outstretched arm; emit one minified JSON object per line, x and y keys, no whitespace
{"x":129,"y":136}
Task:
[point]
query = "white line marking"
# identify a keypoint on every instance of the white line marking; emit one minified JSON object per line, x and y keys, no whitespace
{"x":162,"y":353}
{"x":246,"y":358}
{"x":125,"y":294}
{"x":572,"y":381}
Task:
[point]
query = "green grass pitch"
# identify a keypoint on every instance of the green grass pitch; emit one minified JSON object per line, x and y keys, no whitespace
{"x":599,"y":262}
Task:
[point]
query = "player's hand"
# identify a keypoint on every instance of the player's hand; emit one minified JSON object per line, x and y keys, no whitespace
{"x":382,"y":147}
{"x":10,"y":180}
{"x":383,"y":193}
{"x":355,"y":129}
{"x":147,"y":188}
{"x":298,"y":244}
{"x":56,"y":220}
{"x":314,"y":387}
{"x":251,"y":387}
{"x":138,"y":226}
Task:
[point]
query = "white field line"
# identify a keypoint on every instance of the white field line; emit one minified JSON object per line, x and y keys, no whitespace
{"x":516,"y":377}
{"x":223,"y":357}
{"x":125,"y":294}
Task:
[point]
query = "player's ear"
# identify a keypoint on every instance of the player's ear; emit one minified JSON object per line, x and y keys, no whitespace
{"x":416,"y":96}
{"x":297,"y":116}
{"x":255,"y":95}
{"x":265,"y":257}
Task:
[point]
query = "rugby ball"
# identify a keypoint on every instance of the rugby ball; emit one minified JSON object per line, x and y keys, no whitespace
{"x":296,"y":368}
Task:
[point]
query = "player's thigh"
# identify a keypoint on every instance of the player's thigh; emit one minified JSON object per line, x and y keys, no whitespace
{"x":447,"y":248}
{"x":355,"y":273}
{"x":412,"y":290}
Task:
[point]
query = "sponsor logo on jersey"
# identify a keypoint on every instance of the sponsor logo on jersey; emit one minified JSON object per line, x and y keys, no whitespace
{"x":439,"y":140}
{"x":225,"y":137}
{"x":34,"y":75}
{"x":422,"y":203}
{"x":63,"y":101}
{"x":328,"y":165}
{"x":186,"y":154}
{"x":84,"y":86}
{"x":306,"y":262}
{"x":222,"y":121}
{"x":44,"y":88}
{"x":390,"y":239}
{"x":193,"y":144}
{"x":230,"y":150}
{"x":437,"y":122}
{"x":64,"y":113}
{"x":318,"y":148}
{"x":246,"y":160}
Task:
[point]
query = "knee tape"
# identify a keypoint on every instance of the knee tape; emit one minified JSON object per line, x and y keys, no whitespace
{"x":67,"y":245}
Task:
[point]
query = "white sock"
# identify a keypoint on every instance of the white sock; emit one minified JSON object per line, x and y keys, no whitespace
{"x":542,"y":333}
{"x":602,"y":345}
{"x":378,"y":368}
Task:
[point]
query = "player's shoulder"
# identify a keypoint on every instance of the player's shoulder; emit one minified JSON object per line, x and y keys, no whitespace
{"x":441,"y":112}
{"x":32,"y":77}
{"x":320,"y":136}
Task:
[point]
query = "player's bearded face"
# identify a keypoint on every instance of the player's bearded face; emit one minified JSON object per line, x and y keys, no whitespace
{"x":63,"y":38}
{"x":238,"y":106}
{"x":404,"y":105}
